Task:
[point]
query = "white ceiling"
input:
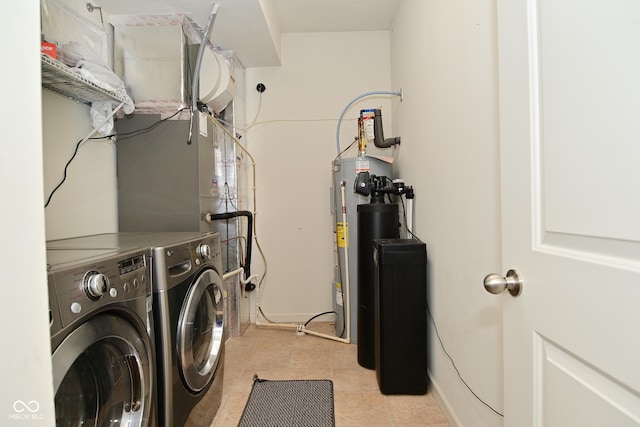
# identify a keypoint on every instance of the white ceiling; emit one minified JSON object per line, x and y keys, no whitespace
{"x":335,"y":15}
{"x":248,"y":26}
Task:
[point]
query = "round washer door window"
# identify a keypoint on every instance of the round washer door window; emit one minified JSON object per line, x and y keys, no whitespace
{"x":102,"y":375}
{"x":200,"y":330}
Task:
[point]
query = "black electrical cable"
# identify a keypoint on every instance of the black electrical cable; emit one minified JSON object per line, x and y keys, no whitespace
{"x":75,"y":152}
{"x":343,"y":151}
{"x":229,"y":198}
{"x":455,"y":367}
{"x":318,"y":315}
{"x":435,"y":328}
{"x":64,"y":175}
{"x":143,"y":130}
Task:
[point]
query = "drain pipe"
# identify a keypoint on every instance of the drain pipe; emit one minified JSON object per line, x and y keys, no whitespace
{"x":244,"y":281}
{"x":300,"y":328}
{"x":209,"y":217}
{"x":347,"y":290}
{"x":195,"y":83}
{"x":253,"y":188}
{"x":353,"y":101}
{"x":237,"y":271}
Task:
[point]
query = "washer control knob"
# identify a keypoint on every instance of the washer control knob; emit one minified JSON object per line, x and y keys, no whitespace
{"x":203,"y":251}
{"x":95,"y":284}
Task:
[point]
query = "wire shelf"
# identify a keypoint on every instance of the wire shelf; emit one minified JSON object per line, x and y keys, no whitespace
{"x":59,"y":78}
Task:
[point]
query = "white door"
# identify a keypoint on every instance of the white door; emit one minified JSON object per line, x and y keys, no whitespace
{"x":569,"y":74}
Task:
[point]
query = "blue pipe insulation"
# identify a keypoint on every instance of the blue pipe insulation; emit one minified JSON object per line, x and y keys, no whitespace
{"x":354,"y":100}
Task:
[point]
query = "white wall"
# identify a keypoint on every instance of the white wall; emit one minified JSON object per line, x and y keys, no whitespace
{"x":294,"y":144}
{"x":444,"y":57}
{"x":442,"y":54}
{"x":26,"y":361}
{"x":87,"y":201}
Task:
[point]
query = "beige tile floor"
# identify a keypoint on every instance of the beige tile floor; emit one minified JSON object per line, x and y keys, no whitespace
{"x":275,"y":354}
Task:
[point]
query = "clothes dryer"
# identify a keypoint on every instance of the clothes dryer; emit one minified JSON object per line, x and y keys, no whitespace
{"x":190,"y":329}
{"x":101,"y":337}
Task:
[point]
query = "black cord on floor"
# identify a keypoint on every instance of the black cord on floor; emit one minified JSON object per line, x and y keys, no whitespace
{"x":455,"y":367}
{"x":318,"y":315}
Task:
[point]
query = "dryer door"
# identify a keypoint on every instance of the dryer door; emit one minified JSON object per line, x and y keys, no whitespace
{"x":102,"y":375}
{"x":200,"y":330}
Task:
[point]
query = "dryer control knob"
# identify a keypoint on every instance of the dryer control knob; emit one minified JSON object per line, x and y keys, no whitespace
{"x":95,"y":284}
{"x":204,"y":251}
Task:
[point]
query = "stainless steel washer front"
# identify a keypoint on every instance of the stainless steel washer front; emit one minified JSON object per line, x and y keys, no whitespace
{"x":102,"y":351}
{"x":188,"y":317}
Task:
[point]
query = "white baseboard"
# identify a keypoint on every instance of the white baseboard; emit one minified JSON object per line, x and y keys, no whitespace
{"x":443,"y":402}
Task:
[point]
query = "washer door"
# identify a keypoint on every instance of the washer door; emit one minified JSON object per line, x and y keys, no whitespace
{"x":102,"y":375}
{"x":200,"y":330}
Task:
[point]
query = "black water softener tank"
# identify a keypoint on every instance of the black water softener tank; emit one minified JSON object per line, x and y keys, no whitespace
{"x":400,"y":305}
{"x":375,"y":221}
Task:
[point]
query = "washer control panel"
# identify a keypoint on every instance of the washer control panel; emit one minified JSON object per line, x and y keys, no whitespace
{"x":87,"y":287}
{"x":207,"y":250}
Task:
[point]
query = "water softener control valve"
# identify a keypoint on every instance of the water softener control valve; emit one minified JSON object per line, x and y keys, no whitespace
{"x":96,"y":284}
{"x":377,"y":186}
{"x":203,"y":251}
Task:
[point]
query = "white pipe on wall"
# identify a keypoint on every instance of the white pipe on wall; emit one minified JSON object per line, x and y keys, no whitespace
{"x":301,"y":328}
{"x":345,"y":286}
{"x":409,"y":218}
{"x":237,"y":271}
